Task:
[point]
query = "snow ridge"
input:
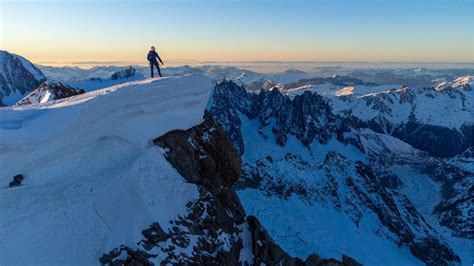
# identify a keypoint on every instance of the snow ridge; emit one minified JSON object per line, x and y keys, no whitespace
{"x":93,"y":180}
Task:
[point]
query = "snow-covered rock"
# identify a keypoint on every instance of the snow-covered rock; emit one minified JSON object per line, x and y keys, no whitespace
{"x":436,"y":119}
{"x":466,"y":83}
{"x":319,"y":182}
{"x":18,"y":77}
{"x":49,"y":91}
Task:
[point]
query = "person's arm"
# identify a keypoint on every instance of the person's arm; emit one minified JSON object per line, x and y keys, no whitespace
{"x":159,"y":59}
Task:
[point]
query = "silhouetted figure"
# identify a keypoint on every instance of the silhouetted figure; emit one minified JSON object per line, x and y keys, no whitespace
{"x":153,"y":58}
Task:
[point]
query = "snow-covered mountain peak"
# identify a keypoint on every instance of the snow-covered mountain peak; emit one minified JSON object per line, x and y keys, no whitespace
{"x":345,"y":91}
{"x":6,"y":56}
{"x":462,"y":82}
{"x":18,"y":77}
{"x":465,"y":83}
{"x":294,"y":71}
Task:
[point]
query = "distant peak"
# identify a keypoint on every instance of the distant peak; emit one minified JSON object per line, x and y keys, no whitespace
{"x":294,"y":71}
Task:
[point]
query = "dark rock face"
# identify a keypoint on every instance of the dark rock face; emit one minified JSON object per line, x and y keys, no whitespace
{"x":308,"y":117}
{"x":437,"y":140}
{"x":15,"y":77}
{"x":16,"y":181}
{"x":457,"y":208}
{"x":213,"y":164}
{"x":57,"y":90}
{"x":61,"y":91}
{"x":205,"y":156}
{"x":226,"y":96}
{"x":265,"y":249}
{"x":132,"y":257}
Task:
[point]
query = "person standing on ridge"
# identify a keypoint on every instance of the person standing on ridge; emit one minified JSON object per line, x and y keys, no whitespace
{"x":152,"y":58}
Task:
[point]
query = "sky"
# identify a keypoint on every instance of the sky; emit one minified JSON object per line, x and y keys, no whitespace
{"x":108,"y":31}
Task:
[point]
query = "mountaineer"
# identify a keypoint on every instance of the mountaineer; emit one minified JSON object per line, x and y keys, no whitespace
{"x":152,"y":58}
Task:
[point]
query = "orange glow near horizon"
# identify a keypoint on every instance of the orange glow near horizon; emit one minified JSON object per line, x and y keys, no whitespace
{"x":63,"y":32}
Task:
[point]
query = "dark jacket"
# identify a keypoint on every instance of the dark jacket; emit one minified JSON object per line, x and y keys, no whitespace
{"x":152,"y":56}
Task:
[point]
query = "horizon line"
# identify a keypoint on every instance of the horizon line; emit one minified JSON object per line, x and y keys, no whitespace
{"x":256,"y":61}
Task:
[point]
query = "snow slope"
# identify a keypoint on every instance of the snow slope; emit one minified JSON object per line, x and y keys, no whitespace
{"x":93,"y":180}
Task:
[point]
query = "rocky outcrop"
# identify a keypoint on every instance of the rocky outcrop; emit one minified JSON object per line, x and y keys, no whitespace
{"x":307,"y":116}
{"x":16,"y":181}
{"x":49,"y":91}
{"x":215,"y":229}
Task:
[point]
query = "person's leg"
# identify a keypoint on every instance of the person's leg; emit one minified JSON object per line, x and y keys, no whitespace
{"x":151,"y":69}
{"x":158,"y":68}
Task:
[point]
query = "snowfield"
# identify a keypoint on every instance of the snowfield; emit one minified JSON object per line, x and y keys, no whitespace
{"x":93,"y":179}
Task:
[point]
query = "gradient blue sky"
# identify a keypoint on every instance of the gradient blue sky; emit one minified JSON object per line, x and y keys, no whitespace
{"x":212,"y":30}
